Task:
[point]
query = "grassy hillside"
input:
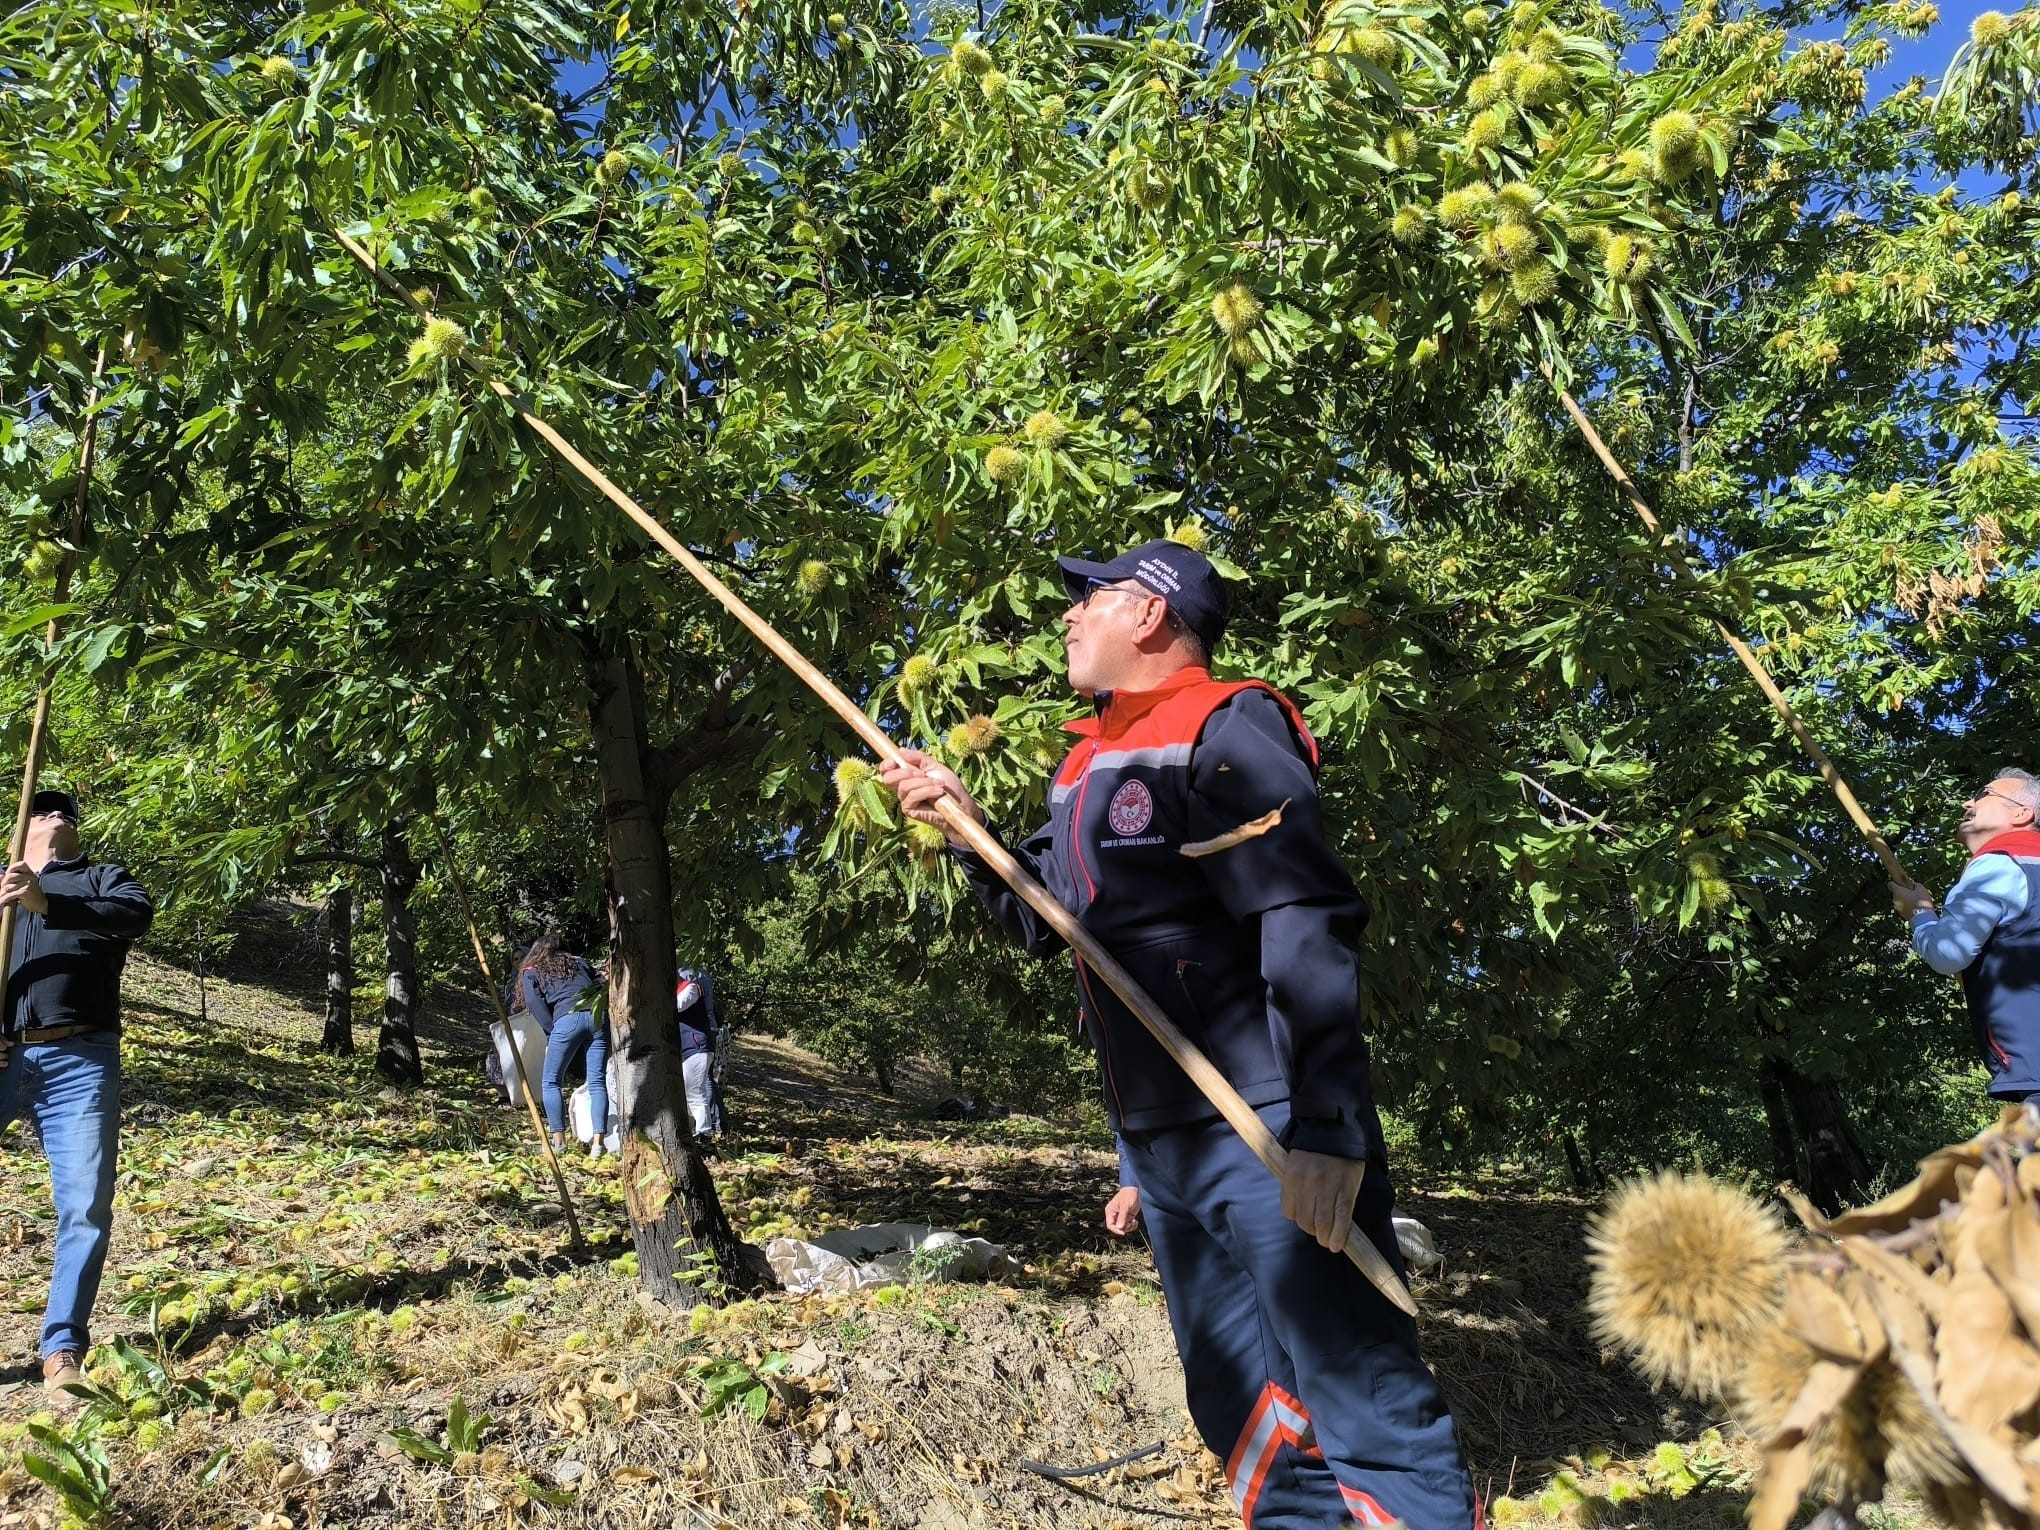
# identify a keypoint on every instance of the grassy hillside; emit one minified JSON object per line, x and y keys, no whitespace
{"x":335,"y":1304}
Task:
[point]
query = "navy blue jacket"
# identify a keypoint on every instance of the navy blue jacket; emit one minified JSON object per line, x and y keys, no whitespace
{"x":550,"y":998}
{"x":2002,"y":987}
{"x":67,"y":963}
{"x":1249,"y":947}
{"x":699,"y":1020}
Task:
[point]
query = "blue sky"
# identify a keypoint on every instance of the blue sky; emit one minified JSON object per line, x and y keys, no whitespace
{"x":1925,"y":56}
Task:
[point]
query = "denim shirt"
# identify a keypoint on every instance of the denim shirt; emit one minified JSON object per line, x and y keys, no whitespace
{"x":549,"y":998}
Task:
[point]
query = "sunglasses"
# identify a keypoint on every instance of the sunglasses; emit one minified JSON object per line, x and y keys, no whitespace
{"x":2001,"y":796}
{"x":1099,"y":587}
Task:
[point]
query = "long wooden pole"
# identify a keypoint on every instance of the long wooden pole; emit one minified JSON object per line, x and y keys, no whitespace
{"x":545,"y":1146}
{"x":1837,"y":782}
{"x":39,"y":724}
{"x":1252,"y":1129}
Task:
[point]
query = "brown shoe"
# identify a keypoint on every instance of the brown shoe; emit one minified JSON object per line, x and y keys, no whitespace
{"x":59,"y":1371}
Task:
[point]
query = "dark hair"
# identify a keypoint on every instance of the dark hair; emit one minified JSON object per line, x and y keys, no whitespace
{"x":548,"y":958}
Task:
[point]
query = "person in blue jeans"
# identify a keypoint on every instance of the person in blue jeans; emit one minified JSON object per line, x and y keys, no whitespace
{"x":559,"y":991}
{"x":60,"y":1051}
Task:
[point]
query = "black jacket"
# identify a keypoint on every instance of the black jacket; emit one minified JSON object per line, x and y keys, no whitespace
{"x":1184,"y":833}
{"x":67,"y":963}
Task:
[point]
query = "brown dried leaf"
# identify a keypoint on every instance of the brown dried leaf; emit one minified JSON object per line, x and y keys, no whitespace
{"x":1827,"y":1387}
{"x":1815,"y":1312}
{"x":1985,"y":1372}
{"x":2020,"y":1273}
{"x":1985,"y":1193}
{"x":1993,"y":1462}
{"x":1944,"y":1175}
{"x":1922,"y":1291}
{"x":1853,"y":1290}
{"x":1252,"y":829}
{"x":1782,"y":1482}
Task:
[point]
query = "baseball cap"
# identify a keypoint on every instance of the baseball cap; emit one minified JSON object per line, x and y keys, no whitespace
{"x":54,"y":802}
{"x":1181,"y":575}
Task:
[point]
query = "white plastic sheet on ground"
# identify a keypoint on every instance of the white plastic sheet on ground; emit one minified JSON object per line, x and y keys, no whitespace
{"x":884,"y":1254}
{"x":893,"y":1253}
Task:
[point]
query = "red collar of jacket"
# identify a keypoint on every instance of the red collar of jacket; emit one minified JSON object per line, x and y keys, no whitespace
{"x":2022,"y":842}
{"x":1119,"y":710}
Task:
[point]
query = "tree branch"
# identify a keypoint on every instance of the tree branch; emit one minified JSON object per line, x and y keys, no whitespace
{"x":666,"y":767}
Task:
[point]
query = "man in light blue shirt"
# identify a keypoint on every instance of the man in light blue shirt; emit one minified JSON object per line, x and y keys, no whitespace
{"x":1989,"y":933}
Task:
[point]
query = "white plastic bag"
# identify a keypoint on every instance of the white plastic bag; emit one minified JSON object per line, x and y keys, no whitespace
{"x":582,"y":1114}
{"x":1419,"y":1248}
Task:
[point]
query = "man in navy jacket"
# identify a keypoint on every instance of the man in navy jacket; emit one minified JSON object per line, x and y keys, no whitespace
{"x":1184,"y":832}
{"x":60,"y":1051}
{"x":1989,"y":933}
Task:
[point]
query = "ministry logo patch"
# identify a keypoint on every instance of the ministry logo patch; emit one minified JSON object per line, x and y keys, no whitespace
{"x":1132,"y":809}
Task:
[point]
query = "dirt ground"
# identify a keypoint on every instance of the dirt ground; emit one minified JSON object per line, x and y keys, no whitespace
{"x":335,"y":1304}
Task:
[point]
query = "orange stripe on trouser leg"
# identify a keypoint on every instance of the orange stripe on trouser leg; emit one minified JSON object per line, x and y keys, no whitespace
{"x":1255,"y":1420}
{"x":1363,"y":1507}
{"x":1277,"y":1420}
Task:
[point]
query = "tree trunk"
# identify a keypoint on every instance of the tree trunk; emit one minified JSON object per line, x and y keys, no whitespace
{"x":1778,"y":1117}
{"x":1830,"y":1164}
{"x":676,"y":1218}
{"x":1585,"y":1167}
{"x":396,"y":1046}
{"x":1812,"y":1142}
{"x":338,"y":1040}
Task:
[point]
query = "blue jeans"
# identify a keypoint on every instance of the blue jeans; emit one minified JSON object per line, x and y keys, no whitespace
{"x":70,"y":1089}
{"x":570,"y":1033}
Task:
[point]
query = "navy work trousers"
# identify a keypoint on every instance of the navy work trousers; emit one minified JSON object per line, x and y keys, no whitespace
{"x":1301,"y":1376}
